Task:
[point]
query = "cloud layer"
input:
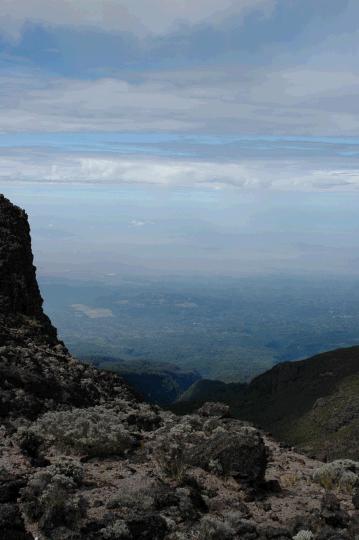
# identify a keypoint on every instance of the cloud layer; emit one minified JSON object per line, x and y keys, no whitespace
{"x":301,"y":101}
{"x":139,"y":16}
{"x":187,"y":69}
{"x":277,"y":175}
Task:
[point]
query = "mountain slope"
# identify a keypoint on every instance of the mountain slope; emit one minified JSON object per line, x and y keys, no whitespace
{"x":158,"y":382}
{"x":284,"y":401}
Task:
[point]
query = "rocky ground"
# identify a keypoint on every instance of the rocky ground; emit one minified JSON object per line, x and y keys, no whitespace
{"x":81,"y":457}
{"x":203,"y":476}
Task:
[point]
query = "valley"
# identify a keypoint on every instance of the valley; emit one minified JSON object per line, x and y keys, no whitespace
{"x":225,"y":329}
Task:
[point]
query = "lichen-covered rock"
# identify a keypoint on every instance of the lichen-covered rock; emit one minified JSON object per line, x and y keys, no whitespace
{"x":226,"y":448}
{"x":238,"y":452}
{"x":219,"y":410}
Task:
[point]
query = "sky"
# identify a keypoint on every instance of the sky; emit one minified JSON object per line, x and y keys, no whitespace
{"x":232,"y":125}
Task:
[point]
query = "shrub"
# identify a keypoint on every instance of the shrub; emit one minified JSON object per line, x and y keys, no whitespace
{"x":304,"y":535}
{"x":50,"y":499}
{"x":171,"y":460}
{"x":341,"y":474}
{"x":289,"y":480}
{"x":117,"y":531}
{"x":137,"y":493}
{"x":214,"y":529}
{"x":95,"y":431}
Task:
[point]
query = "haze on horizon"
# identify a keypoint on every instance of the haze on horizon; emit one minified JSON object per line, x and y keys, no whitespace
{"x":183,"y":138}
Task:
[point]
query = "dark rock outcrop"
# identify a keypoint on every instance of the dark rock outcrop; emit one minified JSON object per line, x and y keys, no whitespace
{"x":20,"y":296}
{"x":11,"y":522}
{"x":36,"y":372}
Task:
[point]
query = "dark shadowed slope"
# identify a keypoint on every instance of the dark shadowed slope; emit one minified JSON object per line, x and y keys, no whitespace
{"x":158,"y":382}
{"x":284,"y":400}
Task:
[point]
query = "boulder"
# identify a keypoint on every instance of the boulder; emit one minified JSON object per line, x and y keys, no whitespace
{"x":219,"y":410}
{"x":11,"y":523}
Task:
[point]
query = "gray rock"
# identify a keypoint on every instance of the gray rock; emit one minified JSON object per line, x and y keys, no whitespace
{"x":219,"y":410}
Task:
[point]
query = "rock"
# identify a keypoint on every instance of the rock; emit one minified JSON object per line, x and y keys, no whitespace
{"x":219,"y":410}
{"x":239,"y":453}
{"x":272,"y":486}
{"x":10,"y":486}
{"x":225,"y":448}
{"x":150,"y":527}
{"x":11,"y":523}
{"x":355,"y":499}
{"x":278,"y":533}
{"x":36,"y":371}
{"x":331,"y":512}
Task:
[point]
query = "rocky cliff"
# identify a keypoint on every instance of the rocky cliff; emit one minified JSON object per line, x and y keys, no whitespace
{"x":36,"y":372}
{"x":82,"y":458}
{"x":20,"y":298}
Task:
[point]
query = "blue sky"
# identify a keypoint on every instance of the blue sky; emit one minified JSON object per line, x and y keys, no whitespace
{"x":248,"y":106}
{"x":113,"y":90}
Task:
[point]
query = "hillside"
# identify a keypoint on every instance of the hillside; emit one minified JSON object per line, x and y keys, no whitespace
{"x":158,"y":382}
{"x":311,"y":403}
{"x":82,"y":458}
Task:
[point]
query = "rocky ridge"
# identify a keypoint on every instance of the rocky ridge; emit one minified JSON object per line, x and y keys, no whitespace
{"x":312,"y":404}
{"x":82,"y":458}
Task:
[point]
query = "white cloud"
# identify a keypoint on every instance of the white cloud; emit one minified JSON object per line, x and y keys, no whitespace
{"x":139,"y":223}
{"x":139,"y":16}
{"x":275,"y":175}
{"x":237,"y":100}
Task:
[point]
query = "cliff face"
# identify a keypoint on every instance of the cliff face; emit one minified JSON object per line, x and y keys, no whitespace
{"x":36,"y":372}
{"x":19,"y":292}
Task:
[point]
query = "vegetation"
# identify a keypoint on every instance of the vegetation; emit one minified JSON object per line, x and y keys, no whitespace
{"x":116,"y":531}
{"x":214,"y":529}
{"x":341,"y":474}
{"x":96,"y":431}
{"x":50,"y":499}
{"x":331,"y":427}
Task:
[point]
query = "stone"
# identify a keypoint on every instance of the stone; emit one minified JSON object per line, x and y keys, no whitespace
{"x":11,"y":523}
{"x":10,"y":486}
{"x":219,"y":410}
